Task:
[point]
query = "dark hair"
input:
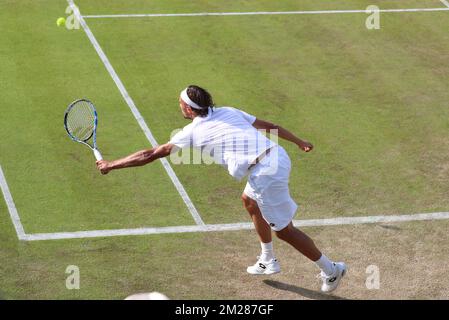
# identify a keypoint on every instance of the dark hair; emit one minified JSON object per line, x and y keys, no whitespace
{"x":202,"y":98}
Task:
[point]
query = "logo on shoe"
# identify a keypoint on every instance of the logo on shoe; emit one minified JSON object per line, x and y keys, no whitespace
{"x":272,"y":224}
{"x":261,"y":265}
{"x":332,"y":279}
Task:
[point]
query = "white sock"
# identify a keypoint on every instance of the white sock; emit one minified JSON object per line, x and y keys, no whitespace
{"x":325,"y":265}
{"x":267,"y":251}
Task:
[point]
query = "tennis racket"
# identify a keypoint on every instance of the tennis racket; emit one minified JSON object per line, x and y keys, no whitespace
{"x":80,"y":122}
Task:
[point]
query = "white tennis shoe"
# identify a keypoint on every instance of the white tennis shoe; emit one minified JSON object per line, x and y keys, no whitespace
{"x":264,"y":267}
{"x":330,"y":283}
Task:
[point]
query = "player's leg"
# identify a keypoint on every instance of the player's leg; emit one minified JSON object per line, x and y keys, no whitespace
{"x":331,"y":272}
{"x":278,"y":208}
{"x":300,"y":241}
{"x":262,"y":228}
{"x":267,"y":263}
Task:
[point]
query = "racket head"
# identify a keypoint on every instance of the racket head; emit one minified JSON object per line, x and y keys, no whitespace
{"x":80,"y":121}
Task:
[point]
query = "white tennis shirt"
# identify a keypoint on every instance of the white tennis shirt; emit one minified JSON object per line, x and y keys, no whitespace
{"x":226,"y":134}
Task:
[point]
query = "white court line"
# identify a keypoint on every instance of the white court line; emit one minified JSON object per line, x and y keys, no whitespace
{"x":234,"y":226}
{"x":255,"y":13}
{"x":136,"y":114}
{"x":200,"y":227}
{"x":11,"y":207}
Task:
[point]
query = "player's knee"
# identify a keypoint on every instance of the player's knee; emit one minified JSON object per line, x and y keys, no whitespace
{"x":281,"y":234}
{"x":248,"y":203}
{"x":284,"y":234}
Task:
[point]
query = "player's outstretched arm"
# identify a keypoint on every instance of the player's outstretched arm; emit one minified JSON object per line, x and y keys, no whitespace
{"x":283,"y":133}
{"x":136,"y":159}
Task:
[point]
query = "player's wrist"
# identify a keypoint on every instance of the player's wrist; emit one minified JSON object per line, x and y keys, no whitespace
{"x":112,"y":165}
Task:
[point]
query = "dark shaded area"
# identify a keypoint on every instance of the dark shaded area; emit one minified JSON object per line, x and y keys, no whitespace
{"x":310,"y":294}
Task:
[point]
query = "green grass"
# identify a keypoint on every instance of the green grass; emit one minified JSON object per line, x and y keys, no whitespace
{"x":370,"y":101}
{"x":55,"y":184}
{"x":374,"y":104}
{"x":179,"y":6}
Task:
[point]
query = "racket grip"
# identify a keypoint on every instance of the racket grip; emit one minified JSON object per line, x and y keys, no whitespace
{"x":98,"y":155}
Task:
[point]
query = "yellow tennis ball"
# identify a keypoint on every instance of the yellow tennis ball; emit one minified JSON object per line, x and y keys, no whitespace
{"x":60,"y":22}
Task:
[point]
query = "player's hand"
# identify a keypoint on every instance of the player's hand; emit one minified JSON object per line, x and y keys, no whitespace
{"x":103,"y":166}
{"x":305,"y":146}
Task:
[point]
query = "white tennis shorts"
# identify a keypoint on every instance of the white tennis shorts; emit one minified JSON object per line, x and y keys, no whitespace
{"x":268,"y":186}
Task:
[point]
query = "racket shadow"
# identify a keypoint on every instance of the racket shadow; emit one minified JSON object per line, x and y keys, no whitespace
{"x":306,"y":293}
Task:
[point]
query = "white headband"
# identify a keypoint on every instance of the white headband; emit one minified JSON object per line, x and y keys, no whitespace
{"x":187,"y":100}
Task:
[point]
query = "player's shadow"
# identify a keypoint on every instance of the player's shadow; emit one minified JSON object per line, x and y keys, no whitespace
{"x":310,"y":294}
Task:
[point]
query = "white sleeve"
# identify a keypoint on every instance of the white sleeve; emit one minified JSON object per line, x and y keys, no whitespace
{"x":248,"y":117}
{"x":183,"y":138}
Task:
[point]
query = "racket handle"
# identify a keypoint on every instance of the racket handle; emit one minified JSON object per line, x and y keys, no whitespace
{"x":98,"y":155}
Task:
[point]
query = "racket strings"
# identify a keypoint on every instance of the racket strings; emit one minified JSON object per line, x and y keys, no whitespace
{"x":81,"y":120}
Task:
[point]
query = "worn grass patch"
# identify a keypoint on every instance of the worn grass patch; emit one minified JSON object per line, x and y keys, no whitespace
{"x":374,"y":103}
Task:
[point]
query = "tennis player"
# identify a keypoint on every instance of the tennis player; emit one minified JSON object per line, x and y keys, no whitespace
{"x":233,"y":139}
